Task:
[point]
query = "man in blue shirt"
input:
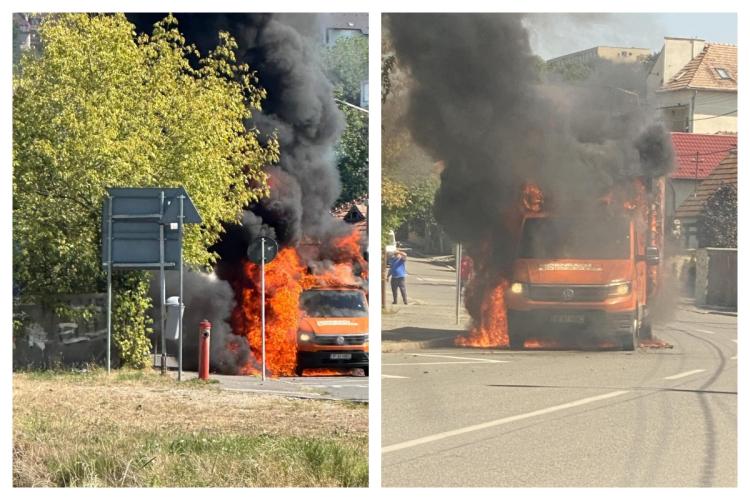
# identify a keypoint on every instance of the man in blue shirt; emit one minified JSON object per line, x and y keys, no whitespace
{"x":397,"y":273}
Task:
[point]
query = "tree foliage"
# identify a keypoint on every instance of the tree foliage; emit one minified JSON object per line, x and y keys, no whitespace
{"x":101,"y":107}
{"x":352,"y":155}
{"x":346,"y":66}
{"x":717,"y":225}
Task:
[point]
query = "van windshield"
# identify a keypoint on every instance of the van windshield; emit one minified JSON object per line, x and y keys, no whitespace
{"x":575,"y":238}
{"x":333,"y":303}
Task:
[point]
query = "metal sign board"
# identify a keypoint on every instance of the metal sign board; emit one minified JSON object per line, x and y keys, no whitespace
{"x":256,"y":249}
{"x":137,"y":214}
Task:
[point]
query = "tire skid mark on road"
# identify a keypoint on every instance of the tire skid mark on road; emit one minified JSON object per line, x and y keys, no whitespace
{"x":711,"y":444}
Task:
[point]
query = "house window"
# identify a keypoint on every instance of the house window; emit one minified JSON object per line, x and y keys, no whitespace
{"x":723,"y":74}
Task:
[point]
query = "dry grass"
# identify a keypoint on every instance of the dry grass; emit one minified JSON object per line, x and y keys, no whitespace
{"x":139,"y":429}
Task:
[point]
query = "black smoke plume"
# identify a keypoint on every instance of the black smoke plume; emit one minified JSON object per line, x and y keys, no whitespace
{"x":301,"y":111}
{"x":480,"y":102}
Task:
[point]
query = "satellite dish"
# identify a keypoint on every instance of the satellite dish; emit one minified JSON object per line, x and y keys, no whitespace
{"x":255,"y":249}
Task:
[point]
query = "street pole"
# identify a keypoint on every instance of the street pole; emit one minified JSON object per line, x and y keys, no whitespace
{"x":458,"y":282}
{"x":263,"y":303}
{"x":163,"y":286}
{"x":109,"y":284}
{"x":179,"y":321}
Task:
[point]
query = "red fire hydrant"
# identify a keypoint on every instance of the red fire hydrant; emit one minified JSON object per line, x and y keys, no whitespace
{"x":204,"y":350}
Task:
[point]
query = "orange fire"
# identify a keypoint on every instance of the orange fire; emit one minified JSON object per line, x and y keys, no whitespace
{"x":286,"y":278}
{"x":493,"y":328}
{"x":328,"y":372}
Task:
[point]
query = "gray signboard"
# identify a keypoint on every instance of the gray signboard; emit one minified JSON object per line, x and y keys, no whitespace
{"x":137,"y":214}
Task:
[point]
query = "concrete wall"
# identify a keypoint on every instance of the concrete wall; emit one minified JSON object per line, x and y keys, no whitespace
{"x":709,"y":108}
{"x":715,"y":112}
{"x":716,"y":277}
{"x":48,"y":340}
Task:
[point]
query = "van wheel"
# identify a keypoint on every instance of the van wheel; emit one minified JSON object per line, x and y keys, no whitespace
{"x":298,"y":370}
{"x":367,"y":371}
{"x":630,"y":342}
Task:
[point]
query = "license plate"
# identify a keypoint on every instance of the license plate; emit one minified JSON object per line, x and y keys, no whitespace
{"x":568,"y":319}
{"x":341,"y":355}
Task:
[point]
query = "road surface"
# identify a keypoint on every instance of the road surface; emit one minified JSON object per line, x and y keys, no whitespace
{"x":477,"y":417}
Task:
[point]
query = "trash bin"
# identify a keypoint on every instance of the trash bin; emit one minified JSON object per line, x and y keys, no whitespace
{"x":173,"y":304}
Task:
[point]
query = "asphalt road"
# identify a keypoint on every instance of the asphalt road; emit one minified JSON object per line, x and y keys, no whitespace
{"x":344,"y":387}
{"x":654,"y":417}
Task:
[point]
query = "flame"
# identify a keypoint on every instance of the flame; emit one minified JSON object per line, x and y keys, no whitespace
{"x":328,"y":372}
{"x":541,"y":344}
{"x":533,"y":198}
{"x":286,"y":277}
{"x":492,"y":331}
{"x":655,"y":344}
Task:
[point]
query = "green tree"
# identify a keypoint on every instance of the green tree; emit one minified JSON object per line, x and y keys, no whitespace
{"x":717,"y":225}
{"x":345,"y":63}
{"x":347,"y":67}
{"x":101,"y":107}
{"x":352,"y":153}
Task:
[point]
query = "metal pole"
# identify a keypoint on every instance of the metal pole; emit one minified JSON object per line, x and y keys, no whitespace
{"x":263,"y":303}
{"x":179,"y":321}
{"x":458,"y":281}
{"x":109,"y":284}
{"x":163,"y":286}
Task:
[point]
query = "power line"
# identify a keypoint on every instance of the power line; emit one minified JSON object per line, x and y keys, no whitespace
{"x":707,"y":153}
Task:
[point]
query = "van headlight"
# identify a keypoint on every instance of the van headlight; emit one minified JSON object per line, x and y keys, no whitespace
{"x":305,"y":337}
{"x":619,"y":288}
{"x":516,"y":288}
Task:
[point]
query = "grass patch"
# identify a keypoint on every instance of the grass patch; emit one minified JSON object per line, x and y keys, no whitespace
{"x":137,"y":428}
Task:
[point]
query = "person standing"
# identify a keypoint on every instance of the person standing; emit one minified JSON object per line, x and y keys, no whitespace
{"x":397,"y":273}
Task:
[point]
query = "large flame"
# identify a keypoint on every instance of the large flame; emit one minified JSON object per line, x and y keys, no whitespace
{"x":286,"y":277}
{"x":492,"y":329}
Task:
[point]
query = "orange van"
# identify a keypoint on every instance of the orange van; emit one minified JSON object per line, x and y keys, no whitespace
{"x":333,"y":329}
{"x":577,"y":275}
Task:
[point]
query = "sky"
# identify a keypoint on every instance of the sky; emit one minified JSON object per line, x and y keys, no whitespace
{"x":553,"y":35}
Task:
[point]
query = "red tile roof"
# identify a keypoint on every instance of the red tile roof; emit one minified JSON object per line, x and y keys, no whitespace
{"x":711,"y":149}
{"x":701,"y":72}
{"x":724,"y":174}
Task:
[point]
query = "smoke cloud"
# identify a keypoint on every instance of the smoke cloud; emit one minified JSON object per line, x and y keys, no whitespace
{"x":300,"y":110}
{"x":479,"y":102}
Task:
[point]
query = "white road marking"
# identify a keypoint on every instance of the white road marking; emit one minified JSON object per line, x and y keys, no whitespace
{"x":704,"y":331}
{"x":444,"y":363}
{"x":734,"y":358}
{"x":391,"y":376}
{"x":501,"y":421}
{"x":683,"y":374}
{"x":734,"y":340}
{"x":436,"y":280}
{"x":484,"y":360}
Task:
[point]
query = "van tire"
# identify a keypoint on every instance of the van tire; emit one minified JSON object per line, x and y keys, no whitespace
{"x":367,"y":371}
{"x":298,"y":370}
{"x":630,"y":342}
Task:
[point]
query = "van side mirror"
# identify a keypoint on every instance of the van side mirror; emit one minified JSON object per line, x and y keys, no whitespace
{"x":652,"y":256}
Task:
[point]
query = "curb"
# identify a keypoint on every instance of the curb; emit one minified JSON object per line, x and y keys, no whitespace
{"x":709,"y":311}
{"x":389,"y":346}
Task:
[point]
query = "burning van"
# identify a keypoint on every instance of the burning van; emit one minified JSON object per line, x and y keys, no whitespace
{"x":587,"y":274}
{"x":333,"y":329}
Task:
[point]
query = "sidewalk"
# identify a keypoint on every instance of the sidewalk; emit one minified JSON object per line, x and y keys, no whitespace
{"x":689,"y":305}
{"x":430,"y":318}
